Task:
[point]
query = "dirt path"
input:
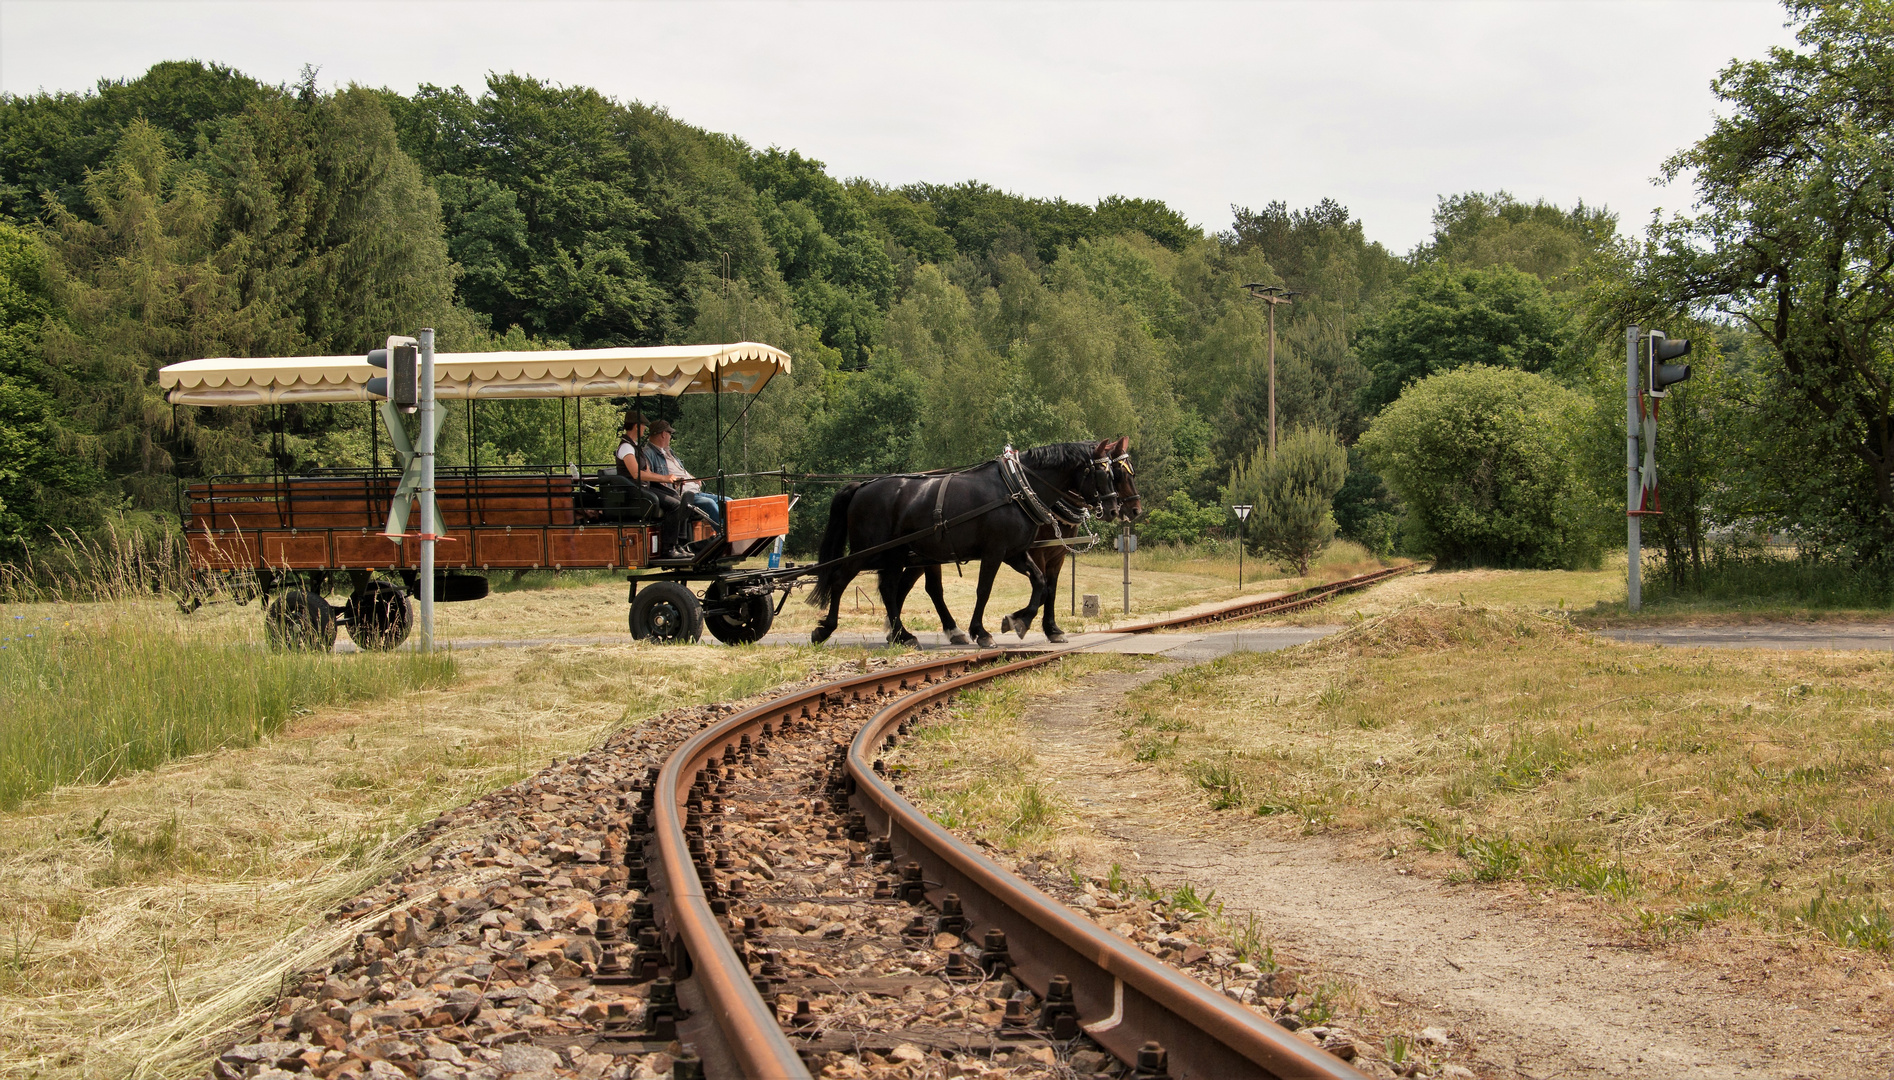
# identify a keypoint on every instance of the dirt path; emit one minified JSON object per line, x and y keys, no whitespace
{"x":1534,"y":996}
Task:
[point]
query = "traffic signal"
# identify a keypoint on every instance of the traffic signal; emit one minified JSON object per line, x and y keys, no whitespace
{"x":1659,"y":375}
{"x":402,"y":360}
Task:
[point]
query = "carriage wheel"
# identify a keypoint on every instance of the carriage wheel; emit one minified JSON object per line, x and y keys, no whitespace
{"x":666,"y":612}
{"x":737,"y":621}
{"x":379,"y":616}
{"x":300,"y":620}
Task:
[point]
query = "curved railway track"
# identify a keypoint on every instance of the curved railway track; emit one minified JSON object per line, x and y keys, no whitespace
{"x":758,"y":890}
{"x":1153,"y":1019}
{"x":1274,"y":605}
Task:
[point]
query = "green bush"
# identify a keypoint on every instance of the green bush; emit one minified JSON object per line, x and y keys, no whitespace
{"x":1487,"y":461}
{"x":1293,"y":492}
{"x":1179,"y":521}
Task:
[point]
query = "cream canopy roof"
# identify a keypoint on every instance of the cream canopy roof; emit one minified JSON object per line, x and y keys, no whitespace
{"x":668,"y":370}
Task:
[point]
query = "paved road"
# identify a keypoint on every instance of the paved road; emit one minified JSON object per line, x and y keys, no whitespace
{"x":1195,"y":647}
{"x":1763,"y":636}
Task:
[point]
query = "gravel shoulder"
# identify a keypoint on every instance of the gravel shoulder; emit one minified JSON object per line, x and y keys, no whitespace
{"x":1529,"y":986}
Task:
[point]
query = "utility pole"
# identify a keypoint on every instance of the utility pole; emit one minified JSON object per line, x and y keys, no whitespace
{"x":1272,"y":295}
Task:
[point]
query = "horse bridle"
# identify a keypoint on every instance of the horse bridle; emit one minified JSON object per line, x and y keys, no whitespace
{"x":1121,"y":461}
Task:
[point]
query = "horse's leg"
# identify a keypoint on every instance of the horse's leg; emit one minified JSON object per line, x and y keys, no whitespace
{"x":895,"y":584}
{"x":955,"y":635}
{"x":1051,"y":560}
{"x":834,"y":618}
{"x":1021,"y":620}
{"x":989,"y":569}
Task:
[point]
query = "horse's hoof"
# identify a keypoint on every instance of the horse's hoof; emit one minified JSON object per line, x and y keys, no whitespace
{"x":959,"y":638}
{"x":985,"y":641}
{"x":820,"y":634}
{"x":1057,"y":637}
{"x":1022,"y":626}
{"x":903,"y":639}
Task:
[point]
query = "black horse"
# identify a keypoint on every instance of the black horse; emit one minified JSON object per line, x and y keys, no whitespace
{"x":979,"y":514}
{"x":1122,"y":504}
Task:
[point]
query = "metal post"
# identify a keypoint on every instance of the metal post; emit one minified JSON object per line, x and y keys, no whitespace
{"x":1073,"y":554}
{"x":1272,"y":380}
{"x":1633,"y":592}
{"x":429,"y":518}
{"x":1125,"y":543}
{"x":1239,"y":555}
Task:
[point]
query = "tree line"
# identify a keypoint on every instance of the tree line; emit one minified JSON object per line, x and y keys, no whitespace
{"x":1463,"y":399}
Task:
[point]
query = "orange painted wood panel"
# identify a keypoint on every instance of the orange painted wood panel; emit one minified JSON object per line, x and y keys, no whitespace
{"x":751,"y":518}
{"x":354,"y":551}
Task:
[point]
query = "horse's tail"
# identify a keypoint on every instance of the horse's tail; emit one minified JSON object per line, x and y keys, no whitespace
{"x":834,"y":545}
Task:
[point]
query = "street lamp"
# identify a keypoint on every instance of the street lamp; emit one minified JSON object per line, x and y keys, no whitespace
{"x":1242,"y":515}
{"x":1272,"y":295}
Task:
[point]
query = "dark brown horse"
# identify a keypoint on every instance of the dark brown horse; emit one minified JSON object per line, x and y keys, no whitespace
{"x":989,"y":514}
{"x":1123,"y":504}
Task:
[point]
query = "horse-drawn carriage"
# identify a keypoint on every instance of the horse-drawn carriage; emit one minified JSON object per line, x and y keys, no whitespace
{"x":294,"y":540}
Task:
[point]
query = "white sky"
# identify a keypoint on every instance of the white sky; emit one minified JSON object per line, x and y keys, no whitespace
{"x":1383,"y":106}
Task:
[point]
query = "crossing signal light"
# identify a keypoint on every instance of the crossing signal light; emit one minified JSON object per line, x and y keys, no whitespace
{"x":1658,"y":375}
{"x":401,"y":358}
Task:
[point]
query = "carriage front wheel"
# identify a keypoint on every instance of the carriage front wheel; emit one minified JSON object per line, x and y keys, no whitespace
{"x":739,"y":620}
{"x":666,"y":612}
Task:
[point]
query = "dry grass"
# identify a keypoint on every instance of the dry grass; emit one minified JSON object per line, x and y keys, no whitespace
{"x":141,"y":918}
{"x":972,"y":768}
{"x":1680,"y":787}
{"x":589,"y":604}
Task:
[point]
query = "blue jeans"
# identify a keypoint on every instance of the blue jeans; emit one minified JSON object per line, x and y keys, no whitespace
{"x":708,"y":503}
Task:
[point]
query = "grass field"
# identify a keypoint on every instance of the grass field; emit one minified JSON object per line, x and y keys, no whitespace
{"x":1678,"y":787}
{"x":141,"y":916}
{"x":592,"y":604}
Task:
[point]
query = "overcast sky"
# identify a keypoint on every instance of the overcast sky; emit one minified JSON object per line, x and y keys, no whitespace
{"x":1383,"y":106}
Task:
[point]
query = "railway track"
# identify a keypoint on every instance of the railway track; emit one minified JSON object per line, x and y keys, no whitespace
{"x":1274,"y":605}
{"x":745,"y":893}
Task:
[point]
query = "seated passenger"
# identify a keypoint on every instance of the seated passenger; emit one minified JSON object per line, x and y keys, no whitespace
{"x":639,"y":465}
{"x":659,"y":451}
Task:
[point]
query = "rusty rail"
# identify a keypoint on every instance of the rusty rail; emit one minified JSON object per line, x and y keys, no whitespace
{"x":735,"y":1030}
{"x":1274,"y":605}
{"x":1125,"y":997}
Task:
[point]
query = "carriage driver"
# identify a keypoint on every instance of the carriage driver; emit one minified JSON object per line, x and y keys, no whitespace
{"x":667,"y":480}
{"x":636,"y":464}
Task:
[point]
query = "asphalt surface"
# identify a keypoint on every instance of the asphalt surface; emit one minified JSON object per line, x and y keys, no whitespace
{"x":1196,"y":647}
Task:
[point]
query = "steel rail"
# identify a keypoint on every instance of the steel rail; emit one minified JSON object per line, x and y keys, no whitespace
{"x":714,"y":983}
{"x":1125,"y":997}
{"x":1273,"y":605}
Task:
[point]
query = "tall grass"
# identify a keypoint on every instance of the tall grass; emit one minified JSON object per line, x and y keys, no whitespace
{"x":1756,"y":575}
{"x":89,"y":694}
{"x":132,"y":556}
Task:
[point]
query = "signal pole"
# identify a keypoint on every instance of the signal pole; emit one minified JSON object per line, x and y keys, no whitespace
{"x":1633,"y":483}
{"x":1272,"y":295}
{"x":430,"y":520}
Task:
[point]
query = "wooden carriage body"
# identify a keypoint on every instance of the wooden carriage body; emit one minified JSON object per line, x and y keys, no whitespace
{"x":506,"y":521}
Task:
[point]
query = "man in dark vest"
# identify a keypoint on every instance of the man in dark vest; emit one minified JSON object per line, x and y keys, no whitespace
{"x":640,"y":465}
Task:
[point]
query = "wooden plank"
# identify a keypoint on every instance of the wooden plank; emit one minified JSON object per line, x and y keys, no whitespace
{"x":370,"y":551}
{"x":294,"y":551}
{"x":222,"y":551}
{"x":751,"y":518}
{"x":582,"y":547}
{"x":519,"y":549}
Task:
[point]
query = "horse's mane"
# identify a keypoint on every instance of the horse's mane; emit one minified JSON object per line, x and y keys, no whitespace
{"x":1059,"y":455}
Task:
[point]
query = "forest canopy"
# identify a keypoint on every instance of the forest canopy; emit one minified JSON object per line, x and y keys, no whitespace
{"x":193,"y":210}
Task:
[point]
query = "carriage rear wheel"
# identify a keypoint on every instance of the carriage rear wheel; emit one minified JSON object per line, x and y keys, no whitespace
{"x":300,"y":620}
{"x":737,"y":620}
{"x":379,"y":616}
{"x":666,"y":612}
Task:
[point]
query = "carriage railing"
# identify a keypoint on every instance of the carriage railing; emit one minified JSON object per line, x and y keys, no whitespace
{"x":486,"y":495}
